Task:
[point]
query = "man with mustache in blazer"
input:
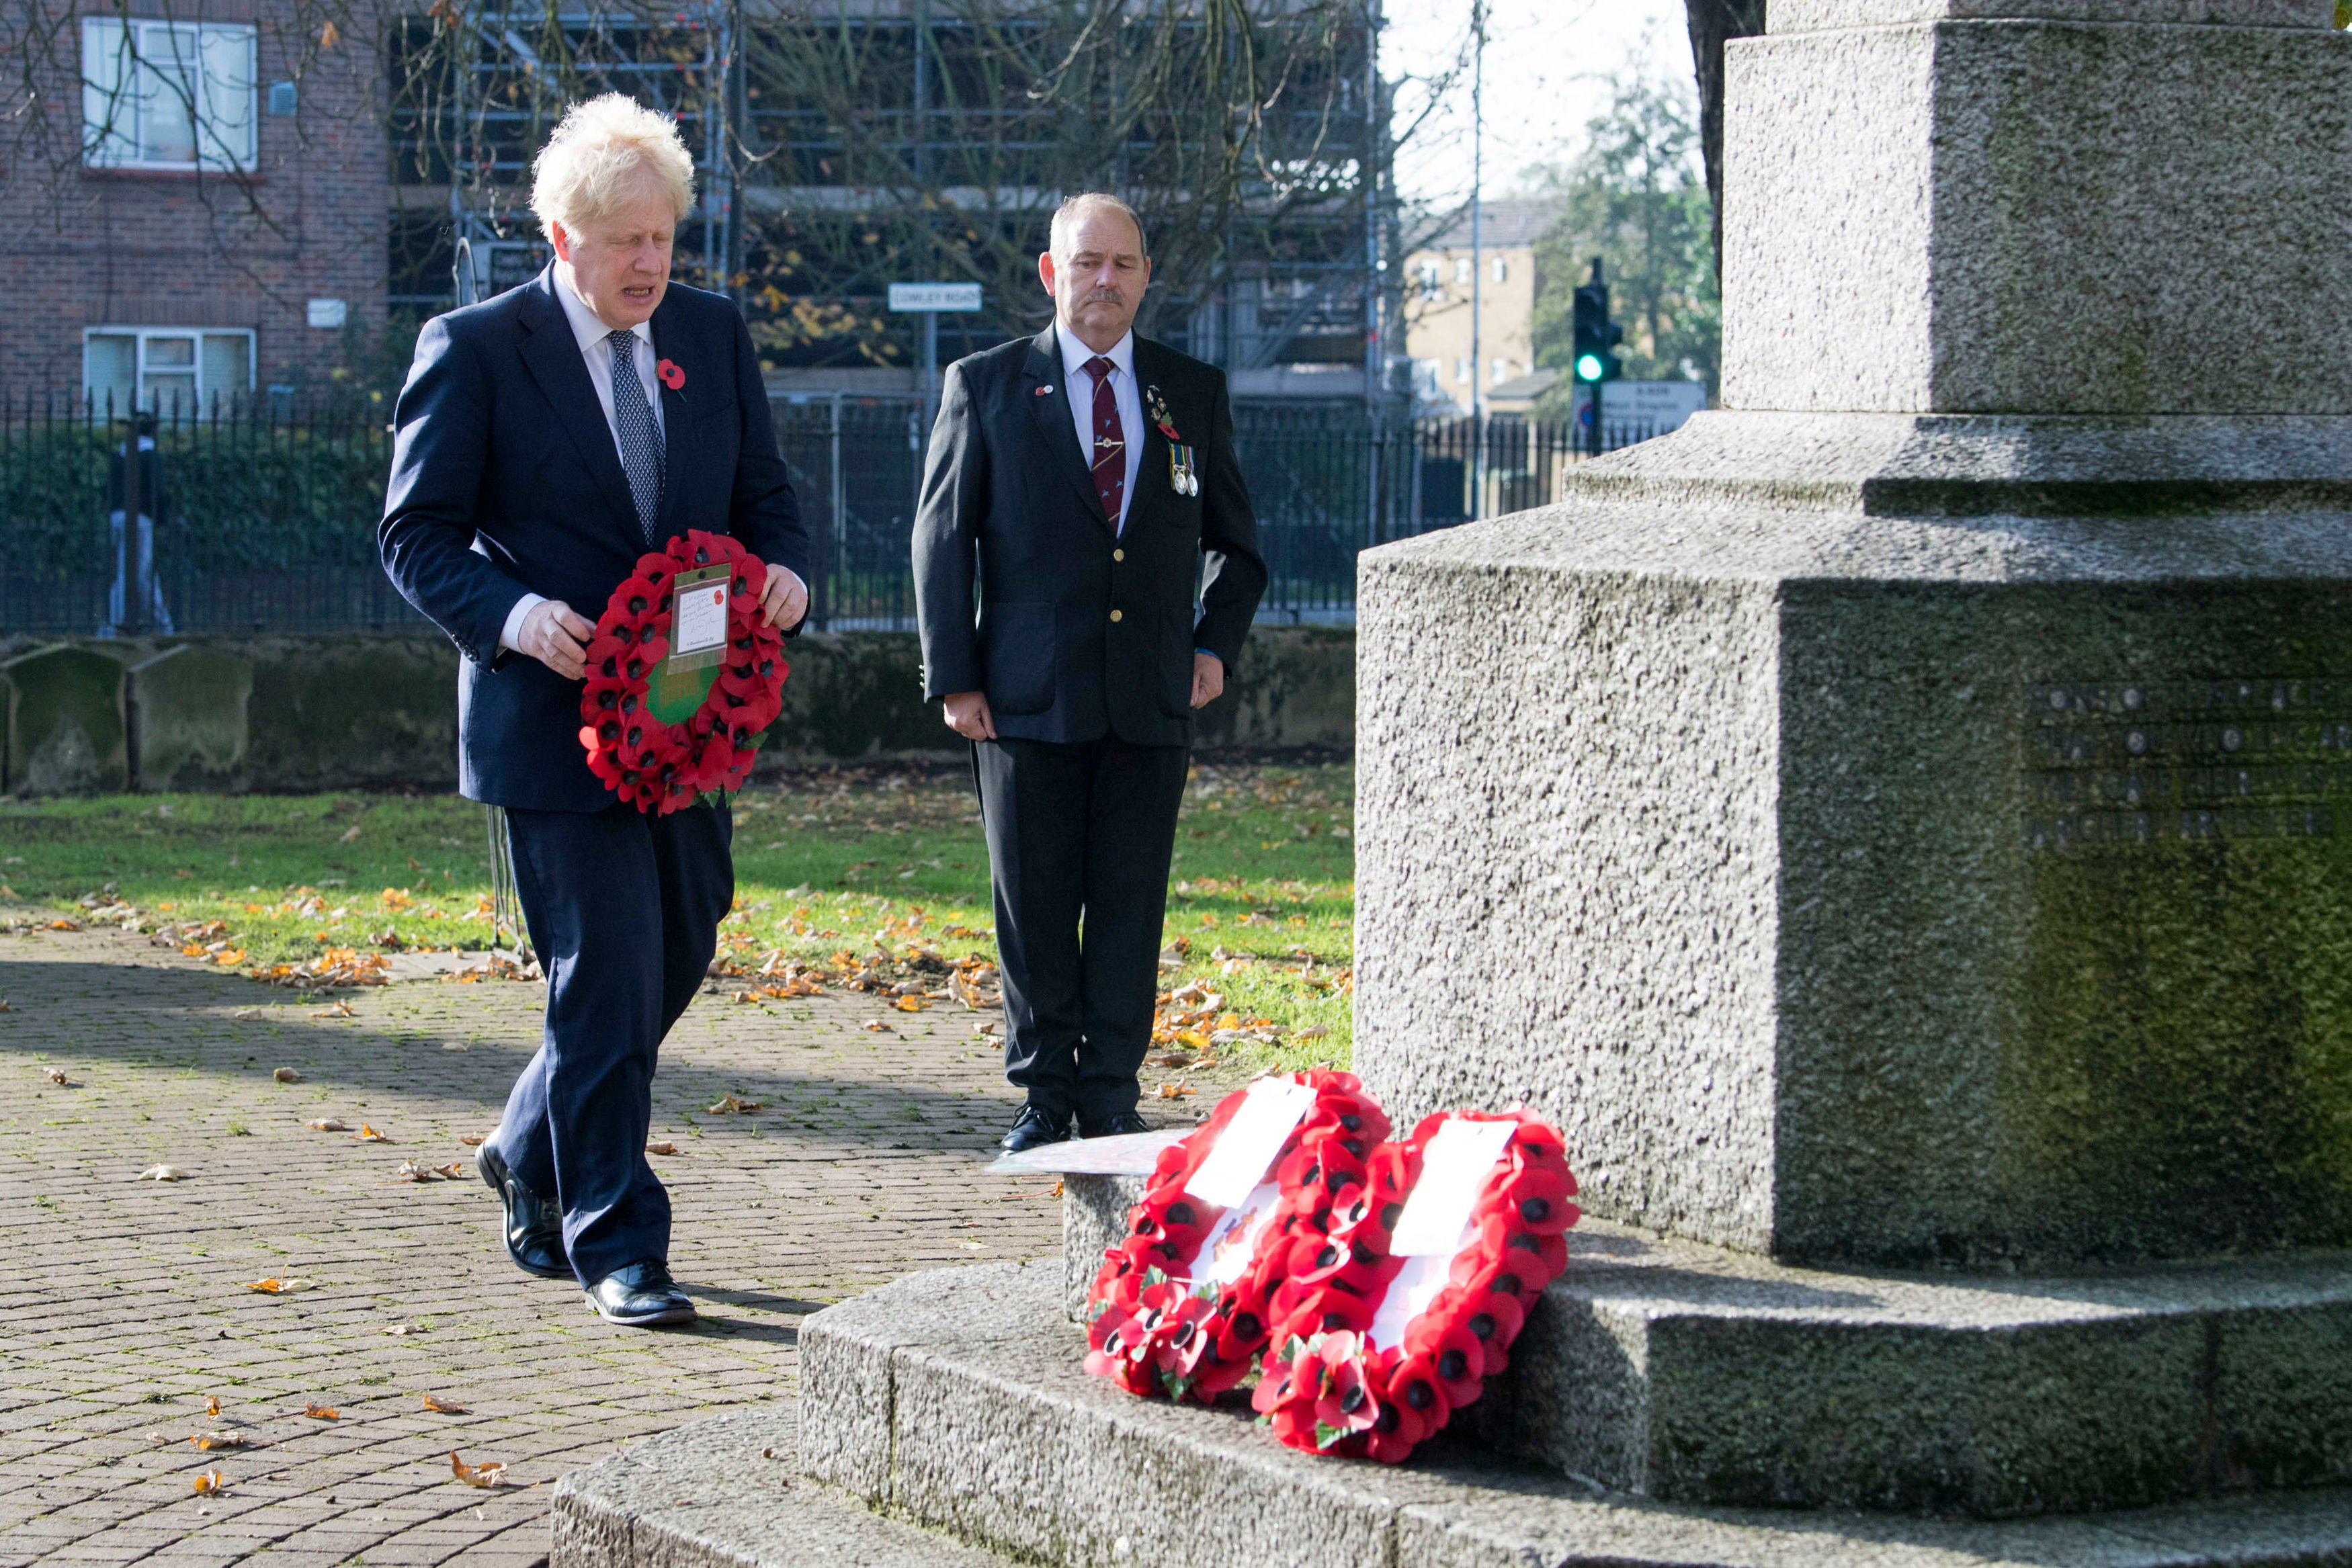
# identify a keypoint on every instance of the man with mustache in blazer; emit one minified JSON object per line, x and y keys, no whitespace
{"x":546,"y":440}
{"x":1076,"y":482}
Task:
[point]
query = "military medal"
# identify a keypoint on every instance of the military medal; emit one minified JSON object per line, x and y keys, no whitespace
{"x":1183,"y":477}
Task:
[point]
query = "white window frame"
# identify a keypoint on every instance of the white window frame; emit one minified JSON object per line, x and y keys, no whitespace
{"x":206,"y":398}
{"x":1464,"y":272}
{"x":193,"y":63}
{"x":1432,"y":282}
{"x":1502,"y":269}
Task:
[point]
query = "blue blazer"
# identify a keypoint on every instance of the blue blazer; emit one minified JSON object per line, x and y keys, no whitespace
{"x":505,"y":479}
{"x":1081,"y":630}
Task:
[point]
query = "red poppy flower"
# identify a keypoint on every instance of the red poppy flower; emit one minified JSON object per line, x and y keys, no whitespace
{"x":672,"y":376}
{"x":1347,"y":1404}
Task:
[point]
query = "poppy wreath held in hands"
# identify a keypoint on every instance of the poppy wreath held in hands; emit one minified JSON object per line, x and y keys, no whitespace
{"x":1184,"y":1304}
{"x":654,"y":765}
{"x":1347,"y":1375}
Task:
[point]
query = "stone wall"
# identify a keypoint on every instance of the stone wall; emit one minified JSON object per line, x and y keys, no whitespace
{"x":323,"y":713}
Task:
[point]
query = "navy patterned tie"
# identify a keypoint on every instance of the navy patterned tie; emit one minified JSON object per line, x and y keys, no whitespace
{"x":641,"y":452}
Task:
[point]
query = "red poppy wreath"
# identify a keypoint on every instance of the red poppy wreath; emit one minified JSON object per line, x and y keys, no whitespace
{"x":660,"y":761}
{"x":1422,"y":1287}
{"x":1183,"y":1306}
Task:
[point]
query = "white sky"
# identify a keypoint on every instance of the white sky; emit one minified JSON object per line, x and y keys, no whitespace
{"x":1547,"y":62}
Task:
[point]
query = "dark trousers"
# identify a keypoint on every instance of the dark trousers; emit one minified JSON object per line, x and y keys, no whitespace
{"x":1078,"y":836}
{"x":624,"y":910}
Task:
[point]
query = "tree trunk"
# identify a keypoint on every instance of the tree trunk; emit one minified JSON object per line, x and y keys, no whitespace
{"x":1711,"y":23}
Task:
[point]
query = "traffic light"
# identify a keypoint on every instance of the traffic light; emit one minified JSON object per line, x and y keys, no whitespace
{"x":1596,"y":335}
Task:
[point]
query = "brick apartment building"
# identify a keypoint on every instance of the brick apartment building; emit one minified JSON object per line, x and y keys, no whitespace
{"x":1438,"y":327}
{"x":198,"y":200}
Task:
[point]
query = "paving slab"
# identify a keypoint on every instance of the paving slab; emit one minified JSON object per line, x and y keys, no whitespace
{"x":128,"y":1303}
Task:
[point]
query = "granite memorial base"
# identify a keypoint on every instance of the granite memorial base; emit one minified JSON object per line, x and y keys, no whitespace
{"x":946,"y":1419}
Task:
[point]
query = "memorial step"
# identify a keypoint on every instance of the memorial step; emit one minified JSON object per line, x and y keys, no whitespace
{"x":957,"y":1399}
{"x":728,"y":1493}
{"x":1692,"y":1374}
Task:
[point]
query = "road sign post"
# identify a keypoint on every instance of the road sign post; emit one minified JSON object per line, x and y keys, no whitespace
{"x":928,"y":299}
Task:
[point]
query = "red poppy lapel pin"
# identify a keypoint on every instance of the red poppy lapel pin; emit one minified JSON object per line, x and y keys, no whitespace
{"x":673,"y":374}
{"x":1183,"y":463}
{"x":1160,"y":415}
{"x":1046,"y":391}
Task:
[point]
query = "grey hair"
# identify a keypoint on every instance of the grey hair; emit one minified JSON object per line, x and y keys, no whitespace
{"x":597,"y":153}
{"x":1067,"y":216}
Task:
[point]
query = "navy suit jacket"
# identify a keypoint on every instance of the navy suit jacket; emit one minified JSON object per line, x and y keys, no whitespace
{"x":1081,"y":632}
{"x":505,"y":479}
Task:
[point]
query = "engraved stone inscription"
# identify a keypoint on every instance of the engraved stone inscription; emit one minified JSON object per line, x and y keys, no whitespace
{"x":2141,"y":762}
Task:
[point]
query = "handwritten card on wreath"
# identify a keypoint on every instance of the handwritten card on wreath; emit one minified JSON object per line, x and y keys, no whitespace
{"x":1250,"y":1141}
{"x":1454,"y":1170}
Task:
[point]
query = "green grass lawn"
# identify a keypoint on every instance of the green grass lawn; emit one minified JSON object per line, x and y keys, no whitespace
{"x":829,"y":864}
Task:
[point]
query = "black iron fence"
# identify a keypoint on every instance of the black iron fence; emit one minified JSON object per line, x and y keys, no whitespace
{"x":266,"y":516}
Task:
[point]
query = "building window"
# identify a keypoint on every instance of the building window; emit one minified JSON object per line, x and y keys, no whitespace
{"x":1500,"y":371}
{"x":1501,"y":270}
{"x":1462,"y":372}
{"x":1433,"y":285}
{"x":1464,"y":270}
{"x":186,"y":369}
{"x":167,"y":95}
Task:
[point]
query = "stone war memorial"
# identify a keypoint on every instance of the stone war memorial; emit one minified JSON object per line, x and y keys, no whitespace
{"x":1898,"y":827}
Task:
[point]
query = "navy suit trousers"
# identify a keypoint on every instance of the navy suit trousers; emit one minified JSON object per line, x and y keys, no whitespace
{"x":624,"y":910}
{"x":1079,"y":837}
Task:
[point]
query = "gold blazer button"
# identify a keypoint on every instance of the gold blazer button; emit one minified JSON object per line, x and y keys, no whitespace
{"x":1119,"y":555}
{"x":1115,"y":615}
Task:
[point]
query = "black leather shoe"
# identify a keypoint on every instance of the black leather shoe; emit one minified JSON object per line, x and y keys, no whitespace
{"x":1113,"y":1127}
{"x":1034,"y":1129}
{"x":534,"y":1228}
{"x":640,"y":1296}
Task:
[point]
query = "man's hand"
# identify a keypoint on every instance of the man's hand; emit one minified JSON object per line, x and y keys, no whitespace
{"x":967,"y":714}
{"x":557,"y":638}
{"x":784,"y":599}
{"x":1208,"y":679}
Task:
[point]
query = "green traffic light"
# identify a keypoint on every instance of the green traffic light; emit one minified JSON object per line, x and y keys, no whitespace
{"x":1588,"y":367}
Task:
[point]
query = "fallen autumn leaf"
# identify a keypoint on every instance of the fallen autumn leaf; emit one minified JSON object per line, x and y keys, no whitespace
{"x":487,"y":1474}
{"x":329,"y":1126}
{"x":208,"y":1483}
{"x":163,"y":1173}
{"x":318,"y":1411}
{"x":661,"y":1148}
{"x":287,"y":1075}
{"x":444,"y":1407}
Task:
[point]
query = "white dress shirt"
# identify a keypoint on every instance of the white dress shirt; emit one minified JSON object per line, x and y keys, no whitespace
{"x":589,"y":329}
{"x":1123,"y":391}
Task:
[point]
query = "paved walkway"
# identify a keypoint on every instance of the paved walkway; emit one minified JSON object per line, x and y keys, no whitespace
{"x":125,"y":1306}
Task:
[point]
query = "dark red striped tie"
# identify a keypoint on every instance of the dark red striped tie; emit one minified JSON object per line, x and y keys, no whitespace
{"x":1110,"y":441}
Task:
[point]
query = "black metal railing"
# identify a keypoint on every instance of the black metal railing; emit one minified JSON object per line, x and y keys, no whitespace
{"x":266,"y":520}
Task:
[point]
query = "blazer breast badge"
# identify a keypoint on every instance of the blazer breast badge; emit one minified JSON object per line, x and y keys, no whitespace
{"x":1183,"y":475}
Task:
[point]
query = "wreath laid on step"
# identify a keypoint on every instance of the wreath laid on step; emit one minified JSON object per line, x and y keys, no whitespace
{"x":1377,"y":1351}
{"x":660,"y":764}
{"x":1183,"y":1305}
